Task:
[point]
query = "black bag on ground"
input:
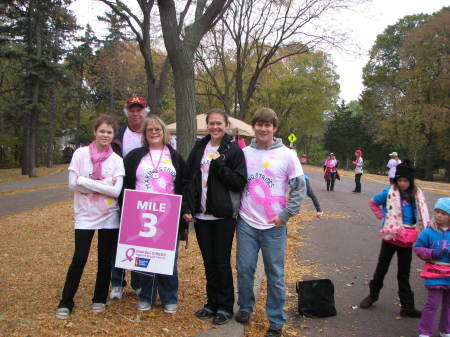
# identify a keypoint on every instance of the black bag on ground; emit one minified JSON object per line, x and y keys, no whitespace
{"x":316,"y":298}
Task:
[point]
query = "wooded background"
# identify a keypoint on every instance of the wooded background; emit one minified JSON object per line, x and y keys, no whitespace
{"x":189,"y":56}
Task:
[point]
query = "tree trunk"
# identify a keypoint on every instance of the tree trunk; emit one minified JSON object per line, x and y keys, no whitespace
{"x":447,"y":171}
{"x":185,"y":108}
{"x":429,"y":164}
{"x":24,"y":151}
{"x":111,"y":93}
{"x":31,"y":170}
{"x":51,"y":131}
{"x":78,"y":113}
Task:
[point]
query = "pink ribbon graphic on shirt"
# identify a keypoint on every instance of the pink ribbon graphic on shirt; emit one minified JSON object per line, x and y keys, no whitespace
{"x":129,"y":253}
{"x":268,"y":200}
{"x":166,"y":177}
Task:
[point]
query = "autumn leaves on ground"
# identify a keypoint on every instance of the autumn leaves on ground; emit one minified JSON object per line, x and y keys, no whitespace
{"x":37,"y":246}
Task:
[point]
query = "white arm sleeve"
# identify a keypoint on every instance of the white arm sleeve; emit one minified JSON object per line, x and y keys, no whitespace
{"x":73,"y":183}
{"x":102,"y":187}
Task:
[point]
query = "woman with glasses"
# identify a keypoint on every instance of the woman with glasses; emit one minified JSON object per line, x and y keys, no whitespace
{"x":156,"y":167}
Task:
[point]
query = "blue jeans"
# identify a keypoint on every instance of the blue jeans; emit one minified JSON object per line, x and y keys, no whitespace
{"x":272,"y":243}
{"x":165,"y":285}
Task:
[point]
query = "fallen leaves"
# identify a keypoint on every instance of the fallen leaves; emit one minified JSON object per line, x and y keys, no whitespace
{"x":37,"y":248}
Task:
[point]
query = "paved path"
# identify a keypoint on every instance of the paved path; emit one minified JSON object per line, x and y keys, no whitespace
{"x":59,"y":178}
{"x":347,"y":250}
{"x":25,"y":201}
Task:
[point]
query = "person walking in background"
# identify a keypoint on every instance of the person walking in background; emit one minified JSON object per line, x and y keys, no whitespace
{"x":273,"y":169}
{"x":392,"y":165}
{"x":433,"y":246}
{"x":331,"y":173}
{"x":403,"y":213}
{"x":128,"y":138}
{"x":95,"y":176}
{"x":216,"y":174}
{"x":358,"y":162}
{"x":156,"y":167}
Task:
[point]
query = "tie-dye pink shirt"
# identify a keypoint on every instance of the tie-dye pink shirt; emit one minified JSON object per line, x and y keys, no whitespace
{"x":165,"y":180}
{"x":268,"y":174}
{"x":204,"y":168}
{"x":95,"y":211}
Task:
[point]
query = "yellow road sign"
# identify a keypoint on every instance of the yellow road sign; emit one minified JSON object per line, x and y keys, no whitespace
{"x":292,"y":138}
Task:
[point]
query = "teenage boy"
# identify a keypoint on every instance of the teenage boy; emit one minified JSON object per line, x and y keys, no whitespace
{"x":273,"y":171}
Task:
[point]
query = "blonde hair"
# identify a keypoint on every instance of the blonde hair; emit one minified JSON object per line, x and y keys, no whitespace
{"x":153,"y":119}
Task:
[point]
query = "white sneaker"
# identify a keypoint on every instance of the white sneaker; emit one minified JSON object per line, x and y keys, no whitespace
{"x":319,"y":214}
{"x":444,"y":334}
{"x":62,"y":313}
{"x":116,"y":292}
{"x":170,"y":308}
{"x":98,"y":307}
{"x":144,"y":306}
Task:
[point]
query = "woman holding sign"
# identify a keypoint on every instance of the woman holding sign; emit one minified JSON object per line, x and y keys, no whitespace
{"x":96,"y":177}
{"x":156,"y":167}
{"x":216,"y":175}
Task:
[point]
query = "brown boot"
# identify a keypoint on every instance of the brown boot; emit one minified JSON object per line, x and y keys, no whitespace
{"x":367,"y":302}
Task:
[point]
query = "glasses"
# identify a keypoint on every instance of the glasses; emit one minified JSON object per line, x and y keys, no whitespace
{"x":154,"y":130}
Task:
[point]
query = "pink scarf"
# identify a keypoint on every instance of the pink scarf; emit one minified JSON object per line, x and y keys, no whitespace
{"x":97,"y":158}
{"x":393,"y":226}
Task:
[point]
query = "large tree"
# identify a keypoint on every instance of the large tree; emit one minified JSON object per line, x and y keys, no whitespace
{"x":425,"y":76}
{"x":181,"y":43}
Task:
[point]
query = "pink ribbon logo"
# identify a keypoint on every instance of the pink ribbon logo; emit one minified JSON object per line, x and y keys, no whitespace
{"x":267,"y":200}
{"x":129,"y":253}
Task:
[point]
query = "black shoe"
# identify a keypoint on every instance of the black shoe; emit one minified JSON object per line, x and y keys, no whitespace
{"x":410,"y":312}
{"x":242,"y":317}
{"x":273,"y":333}
{"x":221,"y":319}
{"x":204,"y":313}
{"x":367,"y":302}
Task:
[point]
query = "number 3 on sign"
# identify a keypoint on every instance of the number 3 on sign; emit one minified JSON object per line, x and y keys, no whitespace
{"x":150,"y":224}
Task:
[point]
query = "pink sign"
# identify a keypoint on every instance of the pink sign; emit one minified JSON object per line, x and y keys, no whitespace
{"x":148,"y":231}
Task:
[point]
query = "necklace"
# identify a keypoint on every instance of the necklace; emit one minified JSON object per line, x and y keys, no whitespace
{"x":154,"y":172}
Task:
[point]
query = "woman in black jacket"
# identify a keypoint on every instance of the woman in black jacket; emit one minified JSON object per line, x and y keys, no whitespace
{"x":156,"y":167}
{"x":216,"y":174}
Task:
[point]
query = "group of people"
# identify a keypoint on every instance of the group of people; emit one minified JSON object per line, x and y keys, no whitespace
{"x":251,"y":191}
{"x":331,"y":164}
{"x":331,"y":173}
{"x":227,"y":191}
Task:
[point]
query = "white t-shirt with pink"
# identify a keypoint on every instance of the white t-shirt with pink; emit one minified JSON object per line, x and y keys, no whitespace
{"x":156,"y":173}
{"x":131,"y":140}
{"x":268,"y":174}
{"x":93,"y":210}
{"x":204,"y":169}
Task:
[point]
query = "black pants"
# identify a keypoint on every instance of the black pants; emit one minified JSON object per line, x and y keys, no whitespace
{"x":215,"y":238}
{"x":358,"y":182}
{"x":310,"y":193}
{"x":83,"y":239}
{"x":330,"y":181}
{"x":404,"y":256}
